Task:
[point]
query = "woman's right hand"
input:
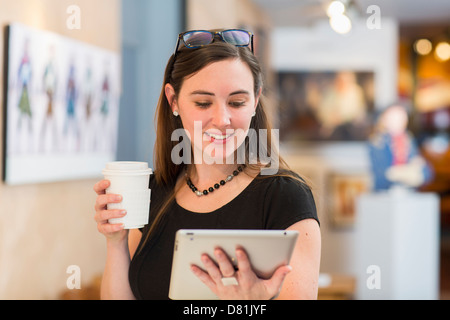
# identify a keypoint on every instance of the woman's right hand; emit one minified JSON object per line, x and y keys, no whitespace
{"x":114,"y":232}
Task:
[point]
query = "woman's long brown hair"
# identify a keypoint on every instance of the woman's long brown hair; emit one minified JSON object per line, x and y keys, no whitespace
{"x":185,"y":64}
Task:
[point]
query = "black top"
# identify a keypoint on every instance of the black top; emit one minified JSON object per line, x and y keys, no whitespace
{"x":273,"y":202}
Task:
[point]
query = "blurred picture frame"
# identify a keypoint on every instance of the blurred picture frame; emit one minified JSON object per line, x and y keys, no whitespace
{"x":344,"y":190}
{"x":61,"y":107}
{"x":325,"y":105}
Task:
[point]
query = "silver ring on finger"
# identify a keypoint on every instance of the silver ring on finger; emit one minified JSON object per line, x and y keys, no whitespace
{"x":229,"y":281}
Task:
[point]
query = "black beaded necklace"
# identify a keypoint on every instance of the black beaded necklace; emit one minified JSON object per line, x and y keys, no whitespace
{"x":216,"y":186}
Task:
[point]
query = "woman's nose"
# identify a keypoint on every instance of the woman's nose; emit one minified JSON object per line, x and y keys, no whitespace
{"x":221,"y":116}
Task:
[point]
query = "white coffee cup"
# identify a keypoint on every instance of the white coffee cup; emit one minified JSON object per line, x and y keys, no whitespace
{"x":130,"y":179}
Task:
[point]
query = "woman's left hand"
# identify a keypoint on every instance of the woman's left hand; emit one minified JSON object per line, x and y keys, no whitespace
{"x":248,"y":286}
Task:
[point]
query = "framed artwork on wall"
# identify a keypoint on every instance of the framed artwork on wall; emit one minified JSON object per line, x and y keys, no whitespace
{"x":325,"y":105}
{"x":61,"y":107}
{"x":344,"y":191}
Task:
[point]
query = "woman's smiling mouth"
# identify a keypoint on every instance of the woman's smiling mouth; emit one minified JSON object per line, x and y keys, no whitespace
{"x":219,"y":138}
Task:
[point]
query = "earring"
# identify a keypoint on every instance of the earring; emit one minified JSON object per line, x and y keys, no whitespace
{"x":175,"y":113}
{"x":254,"y":113}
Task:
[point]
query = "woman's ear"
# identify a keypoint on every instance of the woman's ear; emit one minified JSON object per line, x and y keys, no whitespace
{"x":171,"y":97}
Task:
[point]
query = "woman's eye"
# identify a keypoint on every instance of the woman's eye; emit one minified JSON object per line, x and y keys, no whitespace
{"x":237,"y":103}
{"x":203,"y":104}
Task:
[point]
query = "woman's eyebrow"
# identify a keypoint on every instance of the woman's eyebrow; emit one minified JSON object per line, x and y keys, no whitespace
{"x":207,"y":93}
{"x":202,"y":92}
{"x":240,"y":92}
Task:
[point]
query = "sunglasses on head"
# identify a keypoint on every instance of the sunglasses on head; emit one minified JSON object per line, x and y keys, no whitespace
{"x":199,"y":38}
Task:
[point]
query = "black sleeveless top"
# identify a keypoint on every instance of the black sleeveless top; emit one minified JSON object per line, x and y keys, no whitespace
{"x":273,"y":202}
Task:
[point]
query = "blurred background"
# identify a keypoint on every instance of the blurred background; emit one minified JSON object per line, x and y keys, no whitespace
{"x":330,"y":70}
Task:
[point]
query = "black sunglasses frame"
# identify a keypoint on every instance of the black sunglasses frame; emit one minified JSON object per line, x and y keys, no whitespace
{"x":214,"y":35}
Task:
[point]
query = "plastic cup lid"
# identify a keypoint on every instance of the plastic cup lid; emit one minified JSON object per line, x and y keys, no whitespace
{"x":127,"y":167}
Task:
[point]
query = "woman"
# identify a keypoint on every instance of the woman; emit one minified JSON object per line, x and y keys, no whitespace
{"x":212,"y":89}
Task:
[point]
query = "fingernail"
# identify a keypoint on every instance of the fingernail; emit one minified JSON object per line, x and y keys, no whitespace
{"x":118,"y":198}
{"x":123,"y":212}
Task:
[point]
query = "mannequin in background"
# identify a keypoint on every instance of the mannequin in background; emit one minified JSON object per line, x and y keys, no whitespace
{"x":394,"y":155}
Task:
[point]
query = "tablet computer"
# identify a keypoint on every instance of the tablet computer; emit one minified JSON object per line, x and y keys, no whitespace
{"x":267,"y":250}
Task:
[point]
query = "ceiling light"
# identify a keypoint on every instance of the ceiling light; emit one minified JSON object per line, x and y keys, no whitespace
{"x":442,"y":51}
{"x":423,"y":46}
{"x":340,"y":23}
{"x":335,"y":8}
